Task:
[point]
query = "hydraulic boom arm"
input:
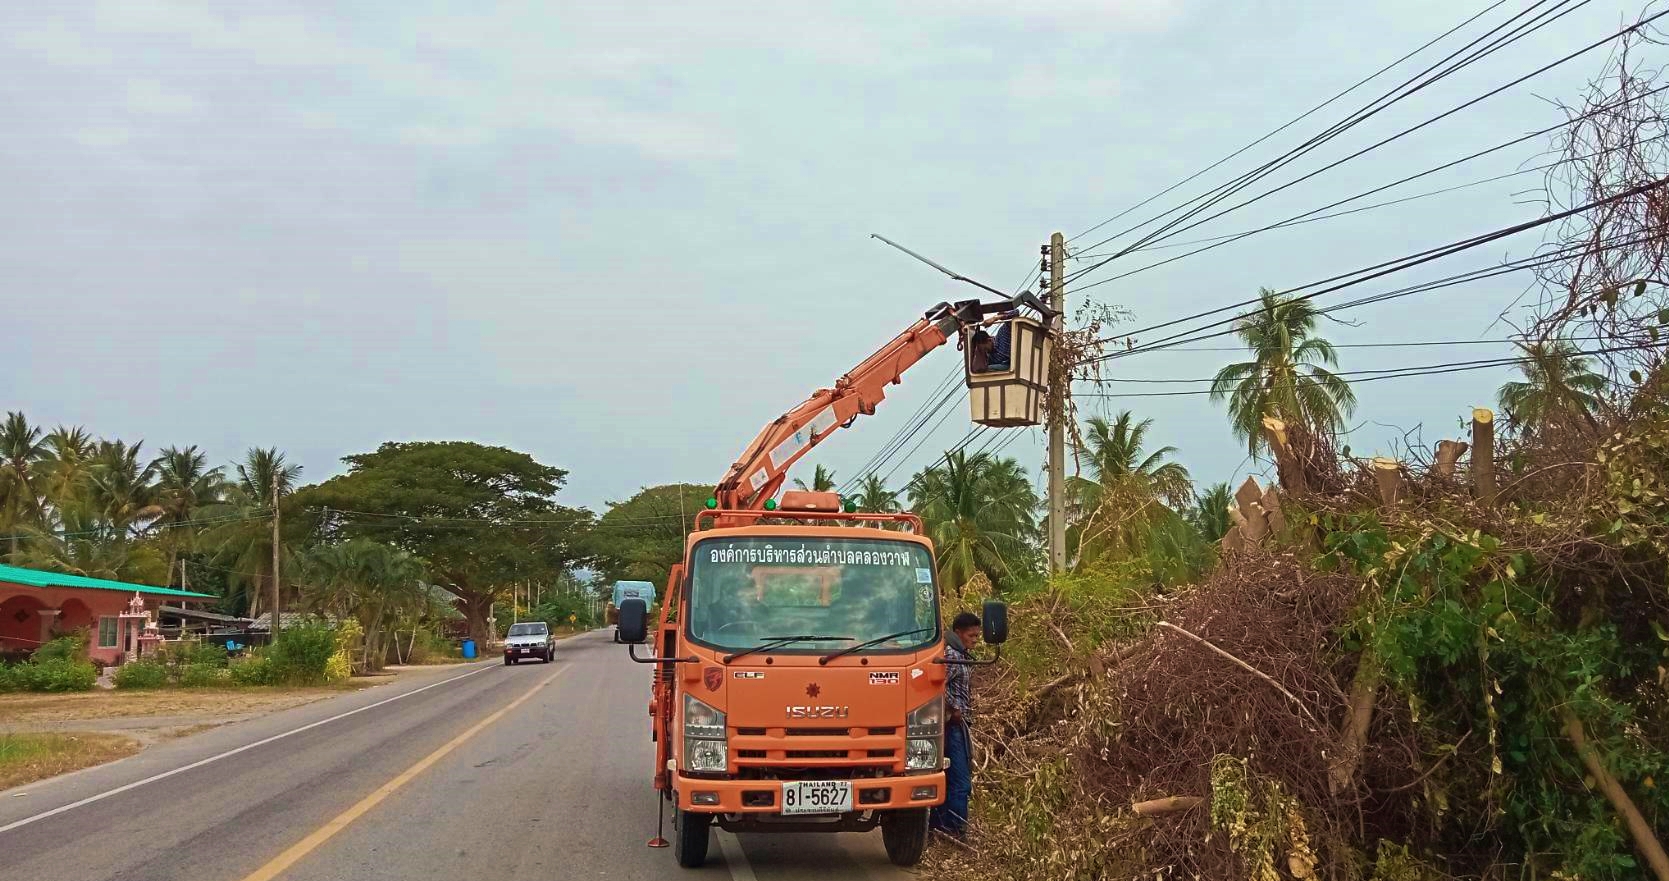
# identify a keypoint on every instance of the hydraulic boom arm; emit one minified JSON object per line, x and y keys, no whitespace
{"x":763,"y":467}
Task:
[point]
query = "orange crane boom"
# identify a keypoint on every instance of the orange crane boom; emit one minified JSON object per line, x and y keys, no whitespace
{"x":762,"y":468}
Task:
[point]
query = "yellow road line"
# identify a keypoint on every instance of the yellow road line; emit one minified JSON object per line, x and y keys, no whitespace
{"x":324,"y":833}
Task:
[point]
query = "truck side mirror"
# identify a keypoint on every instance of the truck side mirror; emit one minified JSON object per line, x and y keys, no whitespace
{"x":995,"y":622}
{"x":633,"y":628}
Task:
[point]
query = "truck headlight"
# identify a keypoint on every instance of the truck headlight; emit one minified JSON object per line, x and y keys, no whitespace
{"x":705,"y":749}
{"x":925,"y":728}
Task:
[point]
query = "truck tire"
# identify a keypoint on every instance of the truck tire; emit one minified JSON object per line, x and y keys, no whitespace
{"x":691,"y":845}
{"x":905,"y":835}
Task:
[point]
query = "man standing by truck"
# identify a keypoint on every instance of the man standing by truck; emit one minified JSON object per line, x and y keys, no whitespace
{"x":951,"y":818}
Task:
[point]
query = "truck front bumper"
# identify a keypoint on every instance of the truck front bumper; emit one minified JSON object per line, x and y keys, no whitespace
{"x":707,"y":796}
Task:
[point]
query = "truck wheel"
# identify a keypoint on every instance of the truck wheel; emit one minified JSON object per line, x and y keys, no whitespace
{"x":691,"y":846}
{"x":905,"y":835}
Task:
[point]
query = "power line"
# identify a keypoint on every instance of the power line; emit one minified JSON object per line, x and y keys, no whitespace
{"x":1392,"y":373}
{"x":1379,"y":270}
{"x":1175,"y":226}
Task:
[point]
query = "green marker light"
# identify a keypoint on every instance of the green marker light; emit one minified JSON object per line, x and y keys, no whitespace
{"x":851,"y":507}
{"x":712,"y":503}
{"x":770,"y":504}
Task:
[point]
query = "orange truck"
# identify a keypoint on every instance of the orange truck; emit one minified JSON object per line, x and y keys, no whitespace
{"x":799,"y":680}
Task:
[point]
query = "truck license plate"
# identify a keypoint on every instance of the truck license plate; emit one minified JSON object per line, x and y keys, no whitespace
{"x":817,"y":797}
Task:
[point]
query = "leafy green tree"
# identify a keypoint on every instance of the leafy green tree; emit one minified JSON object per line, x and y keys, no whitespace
{"x":1210,"y":514}
{"x":1288,"y":376}
{"x":1558,"y":384}
{"x":239,"y":529}
{"x":641,"y":538}
{"x":822,"y":480}
{"x":185,"y":485}
{"x":1112,"y":508}
{"x":122,"y":485}
{"x":21,"y":449}
{"x":874,"y":497}
{"x":482,"y":517}
{"x":67,"y":466}
{"x":981,"y":513}
{"x":375,"y":583}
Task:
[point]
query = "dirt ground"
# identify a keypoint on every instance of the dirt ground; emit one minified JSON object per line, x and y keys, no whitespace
{"x":151,"y":715}
{"x":25,"y":758}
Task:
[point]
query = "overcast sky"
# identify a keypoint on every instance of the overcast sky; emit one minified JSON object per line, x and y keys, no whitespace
{"x":622,"y":236}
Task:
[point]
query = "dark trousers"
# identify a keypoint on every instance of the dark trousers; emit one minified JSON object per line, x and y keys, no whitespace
{"x":952,"y":816}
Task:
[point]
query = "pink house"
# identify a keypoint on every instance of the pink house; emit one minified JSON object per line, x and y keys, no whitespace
{"x":36,"y":605}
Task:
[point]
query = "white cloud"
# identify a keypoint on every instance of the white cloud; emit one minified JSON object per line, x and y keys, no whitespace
{"x":1051,"y":84}
{"x":152,"y":97}
{"x":103,"y":137}
{"x":57,"y":43}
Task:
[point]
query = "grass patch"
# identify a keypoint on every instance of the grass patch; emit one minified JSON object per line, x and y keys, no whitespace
{"x":25,"y":758}
{"x":212,"y":703}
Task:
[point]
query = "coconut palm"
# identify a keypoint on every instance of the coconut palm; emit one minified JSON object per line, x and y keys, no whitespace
{"x":123,"y":486}
{"x":981,"y":514}
{"x":67,"y":466}
{"x":85,"y":543}
{"x":21,"y":449}
{"x":822,"y":480}
{"x":1558,"y":384}
{"x":1126,"y":489}
{"x":874,"y":497}
{"x":240,"y":528}
{"x":1210,"y":514}
{"x":185,"y":484}
{"x":1288,"y":376}
{"x":373,"y":582}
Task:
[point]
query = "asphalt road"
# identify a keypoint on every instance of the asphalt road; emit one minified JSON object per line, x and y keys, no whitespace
{"x":484,"y":771}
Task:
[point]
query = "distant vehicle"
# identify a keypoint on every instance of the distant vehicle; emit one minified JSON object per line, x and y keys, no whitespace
{"x":529,"y":639}
{"x":629,"y":590}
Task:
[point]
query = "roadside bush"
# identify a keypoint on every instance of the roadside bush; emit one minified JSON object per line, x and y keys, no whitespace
{"x":302,"y":655}
{"x":8,"y":679}
{"x":71,"y":647}
{"x":56,"y":675}
{"x":201,"y":676}
{"x":141,"y":674}
{"x":253,"y":670}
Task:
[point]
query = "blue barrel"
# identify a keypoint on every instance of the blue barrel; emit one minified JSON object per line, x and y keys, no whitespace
{"x":469,"y":648}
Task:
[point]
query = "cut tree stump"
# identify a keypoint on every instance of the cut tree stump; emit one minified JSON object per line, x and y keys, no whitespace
{"x":1448,"y":455}
{"x":1483,"y":454}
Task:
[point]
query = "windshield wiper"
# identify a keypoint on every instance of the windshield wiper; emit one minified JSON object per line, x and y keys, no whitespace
{"x":874,"y":642}
{"x":776,"y":642}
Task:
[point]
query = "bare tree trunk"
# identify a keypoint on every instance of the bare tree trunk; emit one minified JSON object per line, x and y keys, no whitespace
{"x":1638,"y":829}
{"x":1364,"y":693}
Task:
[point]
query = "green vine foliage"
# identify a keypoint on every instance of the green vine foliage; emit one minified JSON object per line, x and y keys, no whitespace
{"x":1484,"y":645}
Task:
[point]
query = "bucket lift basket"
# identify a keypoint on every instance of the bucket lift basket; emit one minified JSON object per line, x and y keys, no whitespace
{"x":1013,"y":397}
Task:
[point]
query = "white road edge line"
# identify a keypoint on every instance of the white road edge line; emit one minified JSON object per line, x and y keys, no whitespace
{"x":734,"y":858}
{"x":229,"y":753}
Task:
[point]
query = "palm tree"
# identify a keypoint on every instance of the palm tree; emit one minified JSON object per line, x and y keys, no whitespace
{"x":184,"y":485}
{"x":123,"y":486}
{"x":1287,"y":377}
{"x":1126,"y":488}
{"x":874,"y":497}
{"x":21,"y":449}
{"x":240,"y":527}
{"x":1210,"y":514}
{"x":86,"y":544}
{"x":67,"y":466}
{"x":823,"y":480}
{"x":373,"y":582}
{"x":981,"y":514}
{"x":1558,"y":382}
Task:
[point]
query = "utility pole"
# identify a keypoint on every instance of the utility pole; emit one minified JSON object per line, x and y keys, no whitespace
{"x":277,"y":582}
{"x":1059,"y":390}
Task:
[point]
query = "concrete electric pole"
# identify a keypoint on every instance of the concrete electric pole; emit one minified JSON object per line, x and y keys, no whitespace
{"x":277,"y":582}
{"x":1059,"y":390}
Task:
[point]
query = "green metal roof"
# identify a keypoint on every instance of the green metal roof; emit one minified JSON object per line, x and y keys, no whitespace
{"x":40,"y":578}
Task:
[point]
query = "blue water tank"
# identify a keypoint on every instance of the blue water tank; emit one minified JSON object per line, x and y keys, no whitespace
{"x":469,"y":648}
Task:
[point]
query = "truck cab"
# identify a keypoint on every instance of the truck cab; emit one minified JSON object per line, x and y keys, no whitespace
{"x":800,"y":683}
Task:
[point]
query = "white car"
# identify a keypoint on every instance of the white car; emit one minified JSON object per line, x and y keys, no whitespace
{"x":529,"y":639}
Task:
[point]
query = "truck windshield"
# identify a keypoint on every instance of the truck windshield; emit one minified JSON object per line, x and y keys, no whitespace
{"x":744,"y":591}
{"x":537,"y":628}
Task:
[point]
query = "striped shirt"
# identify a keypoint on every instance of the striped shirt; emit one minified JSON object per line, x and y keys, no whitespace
{"x":958,"y":680}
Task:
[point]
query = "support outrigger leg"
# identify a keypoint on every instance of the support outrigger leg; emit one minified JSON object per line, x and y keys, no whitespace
{"x":660,"y":820}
